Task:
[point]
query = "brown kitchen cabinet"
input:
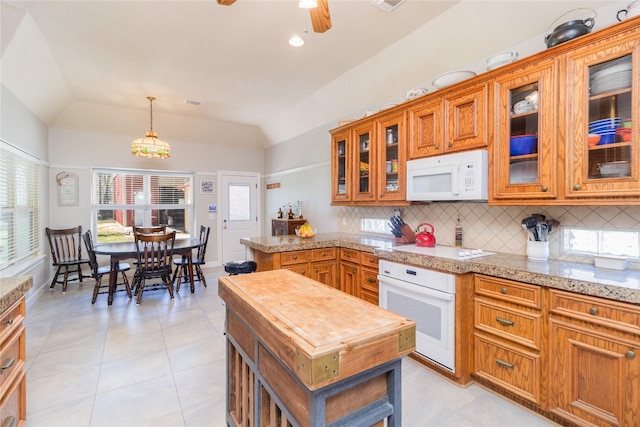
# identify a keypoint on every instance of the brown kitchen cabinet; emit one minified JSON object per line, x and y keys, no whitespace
{"x":364,"y":178}
{"x":456,"y":122}
{"x":508,"y":337}
{"x":391,"y":159}
{"x":602,"y":84}
{"x":594,"y":368}
{"x":369,"y":286}
{"x":341,"y":166}
{"x":324,"y":267}
{"x":350,"y":271}
{"x":13,"y":355}
{"x":525,"y":107}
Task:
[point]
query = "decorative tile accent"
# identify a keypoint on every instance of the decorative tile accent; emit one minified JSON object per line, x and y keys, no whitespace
{"x":498,"y":228}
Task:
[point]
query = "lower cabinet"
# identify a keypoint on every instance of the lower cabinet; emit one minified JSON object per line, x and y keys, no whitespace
{"x":508,"y":340}
{"x":594,"y":369}
{"x":324,"y":267}
{"x":369,"y":288}
{"x":13,"y":381}
{"x":350,"y":271}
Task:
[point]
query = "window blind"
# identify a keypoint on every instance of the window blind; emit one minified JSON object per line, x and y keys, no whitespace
{"x":19,"y":205}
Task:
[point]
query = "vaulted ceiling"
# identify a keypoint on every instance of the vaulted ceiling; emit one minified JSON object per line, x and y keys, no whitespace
{"x":61,"y":55}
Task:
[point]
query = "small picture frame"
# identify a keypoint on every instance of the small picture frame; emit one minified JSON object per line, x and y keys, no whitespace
{"x":207,"y":187}
{"x":67,"y":189}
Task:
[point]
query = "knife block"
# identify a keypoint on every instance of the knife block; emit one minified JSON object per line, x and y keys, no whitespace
{"x":408,"y":236}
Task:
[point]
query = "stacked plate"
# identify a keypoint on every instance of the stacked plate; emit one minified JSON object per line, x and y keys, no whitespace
{"x":612,"y":78}
{"x":606,"y":128}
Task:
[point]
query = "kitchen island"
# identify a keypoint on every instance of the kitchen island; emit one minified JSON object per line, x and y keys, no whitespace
{"x":304,"y":353}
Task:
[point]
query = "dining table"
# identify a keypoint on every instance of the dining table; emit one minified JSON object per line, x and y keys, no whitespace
{"x":126,"y":250}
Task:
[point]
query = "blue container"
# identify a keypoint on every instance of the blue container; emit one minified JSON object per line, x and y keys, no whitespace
{"x":523,"y":144}
{"x":608,"y":138}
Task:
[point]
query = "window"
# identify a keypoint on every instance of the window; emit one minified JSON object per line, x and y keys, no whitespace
{"x":588,"y":241}
{"x":122,"y":199}
{"x":19,"y":206}
{"x":375,"y":225}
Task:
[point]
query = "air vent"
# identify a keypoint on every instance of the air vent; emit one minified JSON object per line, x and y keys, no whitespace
{"x":194,"y":102}
{"x":388,"y":5}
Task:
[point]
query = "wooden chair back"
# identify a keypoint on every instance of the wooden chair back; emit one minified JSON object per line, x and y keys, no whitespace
{"x":65,"y":245}
{"x":204,"y":239}
{"x":93,"y":260}
{"x":155,"y":254}
{"x":156,"y":229}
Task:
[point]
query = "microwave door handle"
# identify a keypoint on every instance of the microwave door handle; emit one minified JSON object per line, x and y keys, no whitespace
{"x":454,"y":178}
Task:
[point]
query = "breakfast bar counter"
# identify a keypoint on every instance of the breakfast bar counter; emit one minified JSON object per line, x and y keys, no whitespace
{"x":301,"y":352}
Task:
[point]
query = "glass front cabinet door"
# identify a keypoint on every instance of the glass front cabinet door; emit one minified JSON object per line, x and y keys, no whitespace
{"x":341,"y":166}
{"x":364,"y":148}
{"x":391,"y":159}
{"x":525,"y":134}
{"x":602,"y":129}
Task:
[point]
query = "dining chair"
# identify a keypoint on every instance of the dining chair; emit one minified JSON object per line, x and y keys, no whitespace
{"x":154,"y":256}
{"x":97,"y":271}
{"x":66,"y":254}
{"x":182,"y":264}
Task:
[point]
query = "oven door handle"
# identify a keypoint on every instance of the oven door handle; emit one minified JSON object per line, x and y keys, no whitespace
{"x":383,"y":280}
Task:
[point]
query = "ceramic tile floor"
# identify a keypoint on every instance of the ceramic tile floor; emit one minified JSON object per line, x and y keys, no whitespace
{"x":162,"y":364}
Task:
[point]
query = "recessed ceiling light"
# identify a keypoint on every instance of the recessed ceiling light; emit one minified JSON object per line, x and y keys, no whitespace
{"x":296,"y":41}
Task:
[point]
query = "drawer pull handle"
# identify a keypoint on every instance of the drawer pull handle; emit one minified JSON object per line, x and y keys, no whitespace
{"x":504,"y":364}
{"x":505,"y":322}
{"x":503,"y":290}
{"x":8,"y":363}
{"x":315,"y":269}
{"x":9,"y":421}
{"x":630,"y":354}
{"x":593,"y":311}
{"x":371,"y":280}
{"x":295,"y":257}
{"x":8,"y":321}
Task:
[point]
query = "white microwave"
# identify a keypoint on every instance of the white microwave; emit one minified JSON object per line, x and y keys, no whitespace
{"x":458,"y":176}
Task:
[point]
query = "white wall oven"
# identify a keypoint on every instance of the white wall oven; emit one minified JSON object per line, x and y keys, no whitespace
{"x":428,"y":298}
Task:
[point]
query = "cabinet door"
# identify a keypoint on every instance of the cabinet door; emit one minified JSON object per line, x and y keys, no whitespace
{"x":342,"y":167}
{"x":325,"y":272}
{"x":466,"y":118}
{"x":594,"y":377}
{"x":603,"y":100}
{"x":369,"y":287}
{"x":525,"y":134}
{"x":349,"y":278}
{"x":391,"y":157}
{"x":364,"y":176}
{"x":425,"y":124}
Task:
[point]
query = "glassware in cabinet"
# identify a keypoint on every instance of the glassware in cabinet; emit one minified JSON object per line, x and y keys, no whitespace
{"x":364,"y":180}
{"x":391,"y":158}
{"x":341,"y":167}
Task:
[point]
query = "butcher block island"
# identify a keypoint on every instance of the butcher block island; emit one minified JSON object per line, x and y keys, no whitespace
{"x":301,"y":353}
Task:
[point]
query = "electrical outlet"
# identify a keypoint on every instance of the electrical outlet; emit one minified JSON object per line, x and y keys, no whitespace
{"x":344,"y":221}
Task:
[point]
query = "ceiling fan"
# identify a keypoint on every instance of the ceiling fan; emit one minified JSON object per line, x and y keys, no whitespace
{"x":320,"y":18}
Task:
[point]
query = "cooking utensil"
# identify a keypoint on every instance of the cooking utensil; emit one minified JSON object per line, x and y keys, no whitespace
{"x":539,"y":217}
{"x":395,"y":231}
{"x":543,"y":231}
{"x":553,"y":224}
{"x":570,"y":29}
{"x":424,"y":237}
{"x":530,"y":222}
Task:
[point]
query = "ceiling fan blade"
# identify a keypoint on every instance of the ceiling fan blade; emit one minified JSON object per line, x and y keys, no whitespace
{"x":320,"y":18}
{"x":226,"y":2}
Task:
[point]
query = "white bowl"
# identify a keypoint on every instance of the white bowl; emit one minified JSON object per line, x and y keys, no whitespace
{"x":414,"y":93}
{"x":451,"y":77}
{"x":500,"y":59}
{"x":345,"y":122}
{"x":386,"y":107}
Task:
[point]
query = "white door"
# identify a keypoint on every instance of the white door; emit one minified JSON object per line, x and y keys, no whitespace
{"x":239,"y":212}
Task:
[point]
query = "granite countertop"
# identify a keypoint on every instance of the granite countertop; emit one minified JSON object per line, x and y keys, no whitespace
{"x":12,"y":289}
{"x":570,"y":276}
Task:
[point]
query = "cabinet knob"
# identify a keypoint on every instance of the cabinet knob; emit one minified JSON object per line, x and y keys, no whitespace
{"x":381,"y":194}
{"x":503,"y":290}
{"x":576,"y":187}
{"x":371,"y":280}
{"x":8,"y":321}
{"x":315,"y":269}
{"x":630,"y":354}
{"x":450,"y":144}
{"x":544,"y":188}
{"x":355,"y":270}
{"x":437,"y":147}
{"x":593,"y":311}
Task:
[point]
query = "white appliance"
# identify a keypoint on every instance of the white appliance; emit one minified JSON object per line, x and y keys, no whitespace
{"x":458,"y":176}
{"x":428,"y":298}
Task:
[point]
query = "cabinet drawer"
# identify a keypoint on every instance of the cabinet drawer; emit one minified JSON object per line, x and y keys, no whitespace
{"x":510,"y":323}
{"x":12,"y":357}
{"x":300,"y":269}
{"x":294,"y":257}
{"x":369,"y":280}
{"x":612,"y":314}
{"x":370,"y":260}
{"x":12,"y":406}
{"x":509,"y":367}
{"x":510,"y":291}
{"x":11,"y":319}
{"x":369,"y":296}
{"x":350,"y":255}
{"x":323,"y":254}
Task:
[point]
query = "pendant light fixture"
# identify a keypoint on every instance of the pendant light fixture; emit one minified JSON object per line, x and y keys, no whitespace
{"x":150,"y":146}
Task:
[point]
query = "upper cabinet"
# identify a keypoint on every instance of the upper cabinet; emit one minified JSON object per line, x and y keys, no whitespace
{"x":525,"y":133}
{"x":603,"y":152}
{"x":456,"y":121}
{"x":341,"y":166}
{"x":391,"y":157}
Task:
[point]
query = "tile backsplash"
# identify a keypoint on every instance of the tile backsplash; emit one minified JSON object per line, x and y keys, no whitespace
{"x":498,"y":228}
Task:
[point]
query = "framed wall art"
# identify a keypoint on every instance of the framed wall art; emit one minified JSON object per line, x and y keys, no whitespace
{"x":207,"y":187}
